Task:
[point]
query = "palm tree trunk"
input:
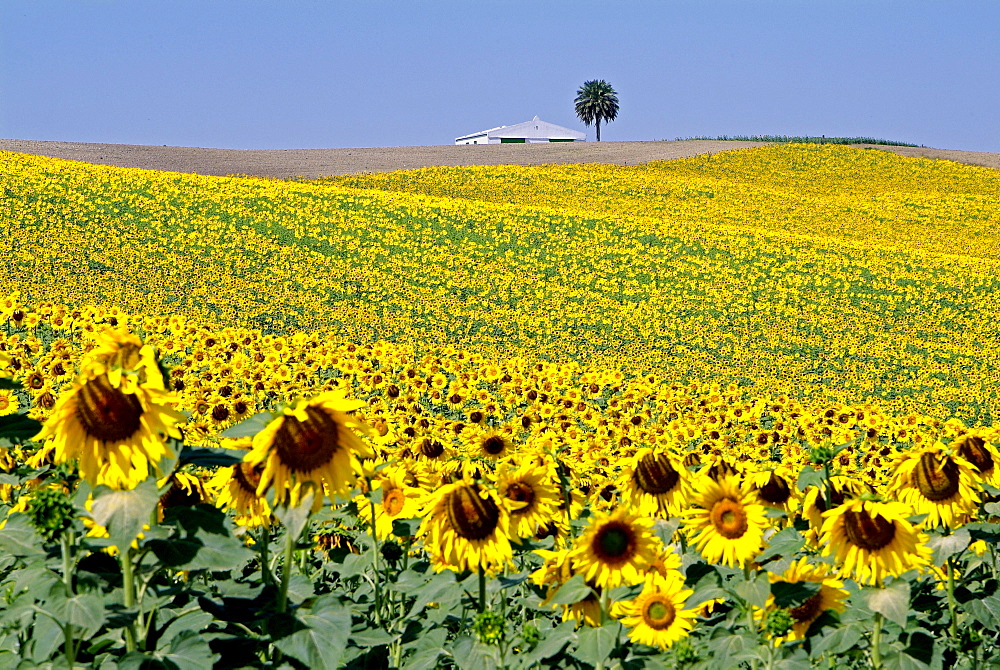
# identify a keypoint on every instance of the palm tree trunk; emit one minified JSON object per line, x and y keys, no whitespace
{"x":598,"y":129}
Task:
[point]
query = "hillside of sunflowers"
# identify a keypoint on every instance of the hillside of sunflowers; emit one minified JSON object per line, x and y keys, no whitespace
{"x":728,"y":411}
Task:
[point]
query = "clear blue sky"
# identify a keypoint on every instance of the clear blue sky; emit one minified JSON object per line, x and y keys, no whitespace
{"x":290,"y":74}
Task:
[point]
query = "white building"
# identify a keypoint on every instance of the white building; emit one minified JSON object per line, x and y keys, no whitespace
{"x":529,"y":132}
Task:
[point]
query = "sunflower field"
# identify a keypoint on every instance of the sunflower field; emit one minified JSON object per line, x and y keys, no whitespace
{"x":733,"y":411}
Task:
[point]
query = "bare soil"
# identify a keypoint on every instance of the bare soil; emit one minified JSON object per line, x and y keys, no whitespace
{"x":311,"y":163}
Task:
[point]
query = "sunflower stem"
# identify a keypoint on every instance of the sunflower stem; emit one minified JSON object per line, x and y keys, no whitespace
{"x":265,"y":560}
{"x":375,"y":551}
{"x":953,"y":626}
{"x":128,"y":585}
{"x":482,"y":588}
{"x":877,"y":642}
{"x":286,"y":571}
{"x":829,"y":485}
{"x":751,"y":624}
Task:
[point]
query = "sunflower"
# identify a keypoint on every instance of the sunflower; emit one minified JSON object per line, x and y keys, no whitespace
{"x":236,"y":488}
{"x":311,"y":445}
{"x":186,"y":490}
{"x":871,"y":539}
{"x":976,"y":447}
{"x":656,"y":617}
{"x":655,"y":484}
{"x":726,"y":526}
{"x":829,"y":596}
{"x":533,"y":494}
{"x":615,"y":549}
{"x":775,"y":487}
{"x":399,"y":500}
{"x":935,"y":482}
{"x":9,"y":403}
{"x":556,"y":571}
{"x":466,"y":527}
{"x":114,"y":421}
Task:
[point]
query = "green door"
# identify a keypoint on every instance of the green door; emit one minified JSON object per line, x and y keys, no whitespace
{"x":511,"y":140}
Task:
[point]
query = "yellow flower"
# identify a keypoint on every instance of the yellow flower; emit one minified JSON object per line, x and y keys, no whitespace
{"x":467,"y":528}
{"x":615,"y":549}
{"x":399,"y":500}
{"x":655,"y":484}
{"x":114,"y":422}
{"x":870,"y":540}
{"x":726,"y":526}
{"x":937,"y":483}
{"x":657,"y":617}
{"x":311,"y":446}
{"x":829,"y":596}
{"x":533,"y":496}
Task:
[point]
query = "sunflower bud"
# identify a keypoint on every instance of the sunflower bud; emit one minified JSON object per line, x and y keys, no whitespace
{"x":51,"y":513}
{"x":778,"y":622}
{"x":488,"y":627}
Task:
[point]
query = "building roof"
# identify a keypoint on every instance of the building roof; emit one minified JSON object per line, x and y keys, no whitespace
{"x":534,"y":129}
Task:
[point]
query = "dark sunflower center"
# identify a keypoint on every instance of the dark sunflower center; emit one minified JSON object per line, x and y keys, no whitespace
{"x":655,"y":475}
{"x":659,"y":613}
{"x":936,"y":481}
{"x":220,"y":412}
{"x":776,"y":491}
{"x":494,"y":445}
{"x":808,"y":610}
{"x":304,"y":446}
{"x":472,"y":517}
{"x":248,"y":477}
{"x":431,"y":448}
{"x":392,"y":501}
{"x":973,"y":450}
{"x":106,"y":413}
{"x":615,"y":542}
{"x":720,"y":469}
{"x":178,"y":496}
{"x":729,"y":519}
{"x":867,"y":532}
{"x":521,"y":492}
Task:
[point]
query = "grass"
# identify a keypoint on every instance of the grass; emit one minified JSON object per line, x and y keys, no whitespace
{"x":822,"y":139}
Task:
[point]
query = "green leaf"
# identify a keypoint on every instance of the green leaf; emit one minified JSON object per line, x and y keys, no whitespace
{"x":554,"y":641}
{"x":8,"y":384}
{"x":985,"y":611}
{"x":756,"y":590}
{"x":900,"y":660}
{"x":208,"y":541}
{"x":596,"y":644}
{"x":946,"y":546}
{"x":892,"y":602}
{"x":124,"y":513}
{"x":189,"y":651}
{"x":442,"y":587}
{"x":85,"y":611}
{"x":793,"y":594}
{"x":810,"y":476}
{"x":405,"y":527}
{"x":427,"y":649}
{"x":249,"y":426}
{"x":470,"y":654}
{"x":785,"y":542}
{"x":19,"y":427}
{"x":209,"y":458}
{"x":837,"y":641}
{"x":571,"y":592}
{"x":19,"y":538}
{"x":294,"y":519}
{"x":322,"y":642}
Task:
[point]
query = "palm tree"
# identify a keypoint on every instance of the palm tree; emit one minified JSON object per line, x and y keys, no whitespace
{"x":596,"y":101}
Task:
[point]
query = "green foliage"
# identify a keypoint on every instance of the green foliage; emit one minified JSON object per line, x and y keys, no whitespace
{"x":799,"y":139}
